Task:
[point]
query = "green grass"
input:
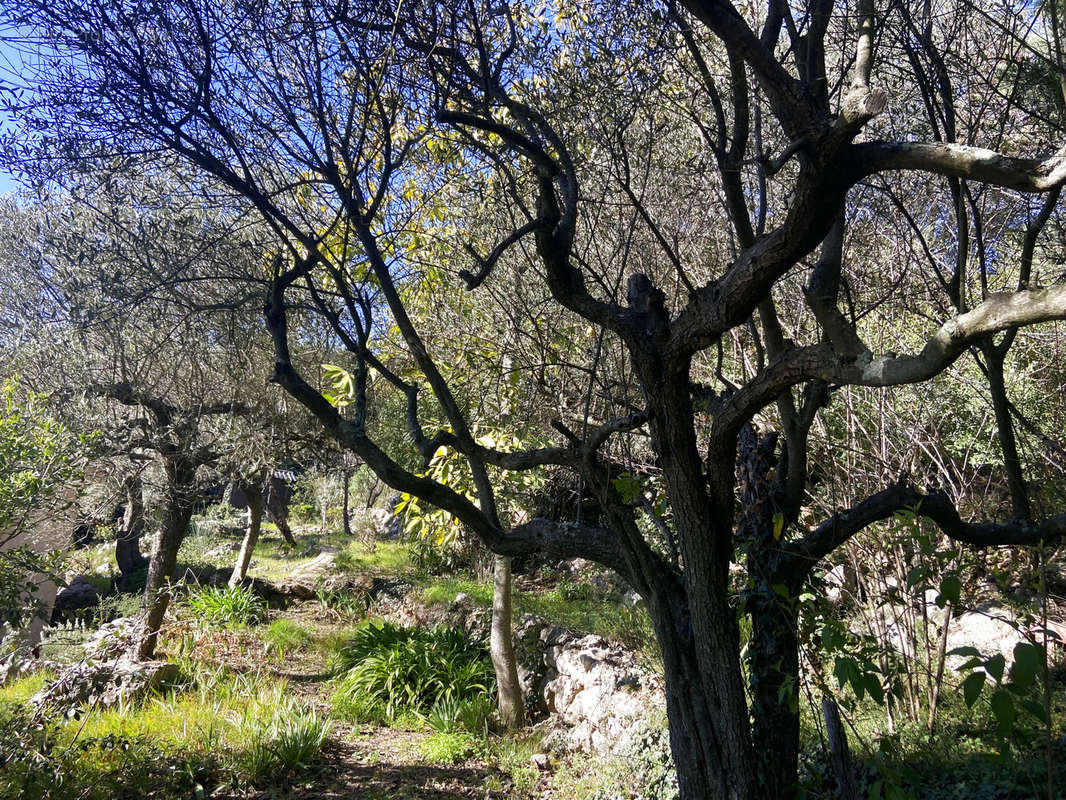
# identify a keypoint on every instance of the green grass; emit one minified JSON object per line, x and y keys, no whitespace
{"x":275,"y":559}
{"x":223,"y":730}
{"x":22,"y":689}
{"x":230,"y":606}
{"x":285,"y":636}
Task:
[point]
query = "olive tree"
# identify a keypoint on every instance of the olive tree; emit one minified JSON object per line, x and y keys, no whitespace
{"x":344,"y":124}
{"x":154,"y":382}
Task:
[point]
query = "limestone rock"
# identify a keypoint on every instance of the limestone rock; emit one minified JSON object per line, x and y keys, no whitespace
{"x":305,"y":580}
{"x":385,"y":523}
{"x":112,"y":639}
{"x":989,"y":628}
{"x":594,"y":687}
{"x":105,"y":683}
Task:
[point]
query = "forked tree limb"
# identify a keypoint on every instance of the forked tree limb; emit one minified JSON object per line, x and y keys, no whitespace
{"x":935,"y":506}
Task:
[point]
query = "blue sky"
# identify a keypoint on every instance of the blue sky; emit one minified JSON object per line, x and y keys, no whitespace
{"x":7,"y":183}
{"x":10,"y":74}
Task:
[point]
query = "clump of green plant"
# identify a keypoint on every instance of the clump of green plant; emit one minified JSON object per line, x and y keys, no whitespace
{"x":342,"y":601}
{"x":444,"y":747}
{"x":453,"y":713}
{"x":386,"y":671}
{"x":229,"y":606}
{"x":289,"y":738}
{"x":512,"y":755}
{"x":285,"y":636}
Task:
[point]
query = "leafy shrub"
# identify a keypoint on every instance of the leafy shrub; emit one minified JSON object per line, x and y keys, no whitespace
{"x":284,"y":636}
{"x":228,"y":606}
{"x":386,"y":670}
{"x":303,"y":512}
{"x":440,"y":559}
{"x":447,"y":748}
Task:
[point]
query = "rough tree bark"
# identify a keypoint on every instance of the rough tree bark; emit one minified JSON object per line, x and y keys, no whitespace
{"x":253,"y":492}
{"x":346,"y":483}
{"x":131,"y":527}
{"x":180,"y":501}
{"x":501,"y":647}
{"x":277,"y":510}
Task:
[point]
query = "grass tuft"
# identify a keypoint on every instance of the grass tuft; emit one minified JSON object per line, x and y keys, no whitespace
{"x":386,"y":671}
{"x":230,"y":606}
{"x":285,"y":636}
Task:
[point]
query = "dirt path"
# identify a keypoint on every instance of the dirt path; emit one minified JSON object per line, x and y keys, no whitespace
{"x":359,"y":762}
{"x":383,"y":764}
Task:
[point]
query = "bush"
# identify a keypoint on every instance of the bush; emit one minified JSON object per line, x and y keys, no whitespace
{"x":447,"y":748}
{"x":386,"y":671}
{"x":303,"y":512}
{"x":228,"y":606}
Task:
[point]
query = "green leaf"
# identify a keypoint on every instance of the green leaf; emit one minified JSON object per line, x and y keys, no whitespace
{"x":971,"y":687}
{"x":950,"y":588}
{"x":873,"y":687}
{"x":964,"y":651}
{"x":1029,"y":662}
{"x":916,"y":576}
{"x":628,"y":486}
{"x":779,"y":525}
{"x":995,"y":666}
{"x":1004,"y":710}
{"x":1034,"y":708}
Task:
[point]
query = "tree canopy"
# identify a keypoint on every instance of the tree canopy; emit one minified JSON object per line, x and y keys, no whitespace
{"x":688,"y":233}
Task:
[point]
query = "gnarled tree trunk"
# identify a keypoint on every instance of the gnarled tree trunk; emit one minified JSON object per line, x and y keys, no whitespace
{"x":277,"y":509}
{"x":131,"y":528}
{"x":180,"y":502}
{"x":254,"y":494}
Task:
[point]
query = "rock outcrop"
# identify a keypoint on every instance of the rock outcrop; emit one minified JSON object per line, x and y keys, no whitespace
{"x":105,"y":683}
{"x":76,"y":596}
{"x":595,"y":690}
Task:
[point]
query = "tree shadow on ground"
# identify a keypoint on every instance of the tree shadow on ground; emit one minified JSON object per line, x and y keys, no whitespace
{"x":351,"y":781}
